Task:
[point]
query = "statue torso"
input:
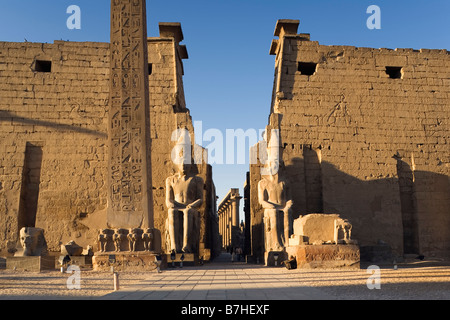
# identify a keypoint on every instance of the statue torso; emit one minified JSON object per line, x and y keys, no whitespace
{"x":275,"y":191}
{"x":184,"y":188}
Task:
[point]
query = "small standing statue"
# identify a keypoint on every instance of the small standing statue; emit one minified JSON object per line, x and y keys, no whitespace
{"x":103,"y":238}
{"x":343,"y":232}
{"x":147,"y":237}
{"x":134,"y":236}
{"x":118,"y":237}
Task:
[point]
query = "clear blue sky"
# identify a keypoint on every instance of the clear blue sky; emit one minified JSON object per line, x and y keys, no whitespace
{"x":229,"y":75}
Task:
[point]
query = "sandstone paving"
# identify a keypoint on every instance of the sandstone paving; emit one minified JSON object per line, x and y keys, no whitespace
{"x":239,"y":281}
{"x":236,"y":281}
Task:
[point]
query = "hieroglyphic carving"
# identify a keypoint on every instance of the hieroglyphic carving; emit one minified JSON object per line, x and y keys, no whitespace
{"x":130,"y":205}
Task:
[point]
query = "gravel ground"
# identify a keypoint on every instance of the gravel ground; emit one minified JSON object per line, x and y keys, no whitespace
{"x":428,"y":280}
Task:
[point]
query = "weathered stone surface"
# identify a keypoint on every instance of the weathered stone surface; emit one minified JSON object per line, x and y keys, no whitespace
{"x":126,"y":261}
{"x":65,"y":115}
{"x":32,"y":243}
{"x":317,"y":227}
{"x":296,"y":239}
{"x":323,"y":228}
{"x":71,"y":249}
{"x":130,"y":202}
{"x":32,"y":264}
{"x":361,"y":144}
{"x":325,"y":256}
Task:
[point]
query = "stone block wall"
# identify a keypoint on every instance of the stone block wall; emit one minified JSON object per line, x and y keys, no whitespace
{"x":53,"y":129}
{"x":53,"y":138}
{"x":365,"y":134}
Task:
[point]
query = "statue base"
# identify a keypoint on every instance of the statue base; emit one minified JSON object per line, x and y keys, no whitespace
{"x":80,"y":261}
{"x":189,"y":259}
{"x":326,"y":255}
{"x":274,"y":258}
{"x":128,"y":261}
{"x":34,"y":264}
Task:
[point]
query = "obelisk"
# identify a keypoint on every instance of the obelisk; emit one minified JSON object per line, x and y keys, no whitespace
{"x":130,"y":201}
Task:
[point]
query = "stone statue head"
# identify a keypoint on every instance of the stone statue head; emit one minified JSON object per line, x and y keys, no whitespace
{"x":274,"y":159}
{"x":181,"y":153}
{"x":32,"y":241}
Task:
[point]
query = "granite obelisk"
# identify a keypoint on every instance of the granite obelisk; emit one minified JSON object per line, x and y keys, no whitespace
{"x":130,"y":201}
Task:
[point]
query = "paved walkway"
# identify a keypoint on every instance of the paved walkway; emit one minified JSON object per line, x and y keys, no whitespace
{"x":219,"y":280}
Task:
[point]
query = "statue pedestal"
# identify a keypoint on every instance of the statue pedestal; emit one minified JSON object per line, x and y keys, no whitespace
{"x":127,"y":261}
{"x":35,"y":264}
{"x":80,"y":261}
{"x":190,"y":259}
{"x":274,"y":258}
{"x":326,"y":255}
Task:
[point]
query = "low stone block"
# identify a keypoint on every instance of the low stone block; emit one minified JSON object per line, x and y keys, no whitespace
{"x":274,"y":258}
{"x":296,"y":240}
{"x":326,"y":256}
{"x":318,"y":227}
{"x":81,"y":261}
{"x":127,"y":261}
{"x":35,"y":264}
{"x":71,"y":249}
{"x":190,"y":259}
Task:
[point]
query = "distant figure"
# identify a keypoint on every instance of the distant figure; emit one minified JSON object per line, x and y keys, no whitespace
{"x":66,"y":260}
{"x":291,"y":263}
{"x":239,"y":253}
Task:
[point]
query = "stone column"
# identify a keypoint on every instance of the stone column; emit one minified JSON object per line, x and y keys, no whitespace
{"x":221,"y":227}
{"x":226,"y":226}
{"x":130,"y":201}
{"x":235,"y":210}
{"x":230,"y":226}
{"x":222,"y":230}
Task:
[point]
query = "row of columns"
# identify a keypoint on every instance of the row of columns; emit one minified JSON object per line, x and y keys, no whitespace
{"x":228,"y":213}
